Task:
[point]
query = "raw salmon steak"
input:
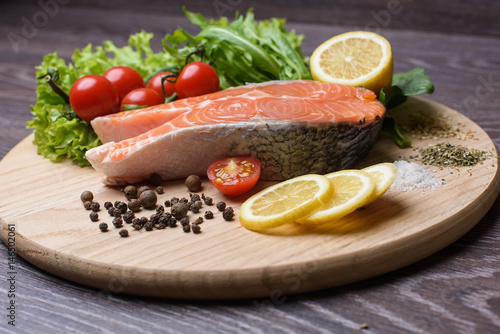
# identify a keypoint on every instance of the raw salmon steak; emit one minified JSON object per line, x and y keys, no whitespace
{"x":292,"y":127}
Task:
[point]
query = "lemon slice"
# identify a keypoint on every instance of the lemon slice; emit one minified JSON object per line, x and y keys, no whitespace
{"x":356,"y":58}
{"x":285,"y":202}
{"x":353,"y":188}
{"x":383,"y":174}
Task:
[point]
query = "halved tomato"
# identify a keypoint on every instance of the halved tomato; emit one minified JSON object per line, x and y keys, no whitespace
{"x":234,"y":176}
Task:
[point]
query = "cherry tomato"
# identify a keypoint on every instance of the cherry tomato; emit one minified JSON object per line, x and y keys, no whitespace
{"x":92,"y":96}
{"x":234,"y":176}
{"x":142,"y":97}
{"x":125,"y":79}
{"x":196,"y":78}
{"x":155,"y":83}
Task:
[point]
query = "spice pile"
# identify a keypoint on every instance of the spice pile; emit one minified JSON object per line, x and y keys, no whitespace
{"x":168,"y":215}
{"x":411,"y":175}
{"x":448,"y":155}
{"x":427,"y":125}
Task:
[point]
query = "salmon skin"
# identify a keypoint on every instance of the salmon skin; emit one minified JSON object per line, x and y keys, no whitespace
{"x":292,"y":127}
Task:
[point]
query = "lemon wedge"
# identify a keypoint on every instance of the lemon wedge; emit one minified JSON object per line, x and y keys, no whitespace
{"x":357,"y":58}
{"x":353,"y":189}
{"x":285,"y":202}
{"x":383,"y":174}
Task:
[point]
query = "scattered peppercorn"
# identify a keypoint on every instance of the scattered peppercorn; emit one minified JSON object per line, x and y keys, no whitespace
{"x":130,"y":192}
{"x":94,"y":216}
{"x":148,"y":226}
{"x":167,"y":203}
{"x":123,"y":233}
{"x":128,"y":217}
{"x":136,"y":221}
{"x":209,"y":215}
{"x":87,"y":205}
{"x":221,"y":206}
{"x":95,"y":206}
{"x":159,"y":190}
{"x":198,"y":221}
{"x":228,"y":213}
{"x":161,"y":226}
{"x":87,"y":196}
{"x":117,"y":213}
{"x":108,"y":205}
{"x":194,"y":197}
{"x":193,"y":183}
{"x":163,"y":220}
{"x":148,"y":199}
{"x":160,"y":209}
{"x":172,"y":222}
{"x":111,"y":211}
{"x":174,"y":200}
{"x":134,"y":205}
{"x":117,"y":222}
{"x":184,"y":221}
{"x":179,"y":210}
{"x":186,"y":228}
{"x":167,"y":214}
{"x":196,"y":229}
{"x":103,"y":227}
{"x":137,"y":226}
{"x":195,"y":207}
{"x":155,"y":218}
{"x":143,"y":220}
{"x":183,"y":200}
{"x":155,"y":179}
{"x":122,"y":207}
{"x":116,"y":204}
{"x":207,"y":200}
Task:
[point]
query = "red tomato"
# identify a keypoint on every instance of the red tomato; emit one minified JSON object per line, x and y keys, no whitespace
{"x":155,"y":83}
{"x":234,"y":176}
{"x":92,"y":96}
{"x":142,"y":97}
{"x":125,"y":79}
{"x":196,"y":78}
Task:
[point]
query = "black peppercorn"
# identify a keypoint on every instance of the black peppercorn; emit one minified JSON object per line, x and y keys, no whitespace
{"x":154,"y":218}
{"x":116,"y":204}
{"x":117,"y":213}
{"x":142,"y":189}
{"x":194,"y":197}
{"x":221,"y":206}
{"x":159,"y":190}
{"x":196,"y":229}
{"x":103,"y":227}
{"x":143,"y":220}
{"x":167,"y":214}
{"x":172,"y":222}
{"x":123,"y":233}
{"x":148,"y":226}
{"x":161,"y":226}
{"x":87,"y":205}
{"x":137,"y":226}
{"x":198,"y":221}
{"x":108,"y":205}
{"x":94,"y":216}
{"x":186,"y":228}
{"x":95,"y":206}
{"x":87,"y":196}
{"x":195,"y":207}
{"x":183,"y":200}
{"x":117,"y":222}
{"x":174,"y":200}
{"x":184,"y":221}
{"x":207,"y":200}
{"x":163,"y":220}
{"x":122,"y":207}
{"x":228,"y":213}
{"x":128,"y":216}
{"x":160,"y":209}
{"x":167,"y":203}
{"x":209,"y":215}
{"x":136,"y":221}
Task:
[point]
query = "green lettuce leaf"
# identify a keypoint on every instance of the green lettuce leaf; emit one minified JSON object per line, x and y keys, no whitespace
{"x":58,"y":133}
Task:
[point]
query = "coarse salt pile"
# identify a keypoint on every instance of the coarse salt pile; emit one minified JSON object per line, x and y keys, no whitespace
{"x":411,"y":175}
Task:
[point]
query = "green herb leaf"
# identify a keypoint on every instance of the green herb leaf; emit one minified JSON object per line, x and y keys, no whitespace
{"x":414,"y":82}
{"x":390,"y":127}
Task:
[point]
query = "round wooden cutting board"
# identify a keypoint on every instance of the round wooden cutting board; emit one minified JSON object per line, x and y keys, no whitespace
{"x":41,"y":202}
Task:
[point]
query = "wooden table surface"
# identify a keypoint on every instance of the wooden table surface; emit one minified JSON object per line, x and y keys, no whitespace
{"x":456,"y":290}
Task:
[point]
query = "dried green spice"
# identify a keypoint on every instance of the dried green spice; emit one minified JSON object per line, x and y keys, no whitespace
{"x":448,"y":155}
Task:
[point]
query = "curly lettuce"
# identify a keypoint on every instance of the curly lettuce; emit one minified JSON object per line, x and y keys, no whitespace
{"x":58,"y":133}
